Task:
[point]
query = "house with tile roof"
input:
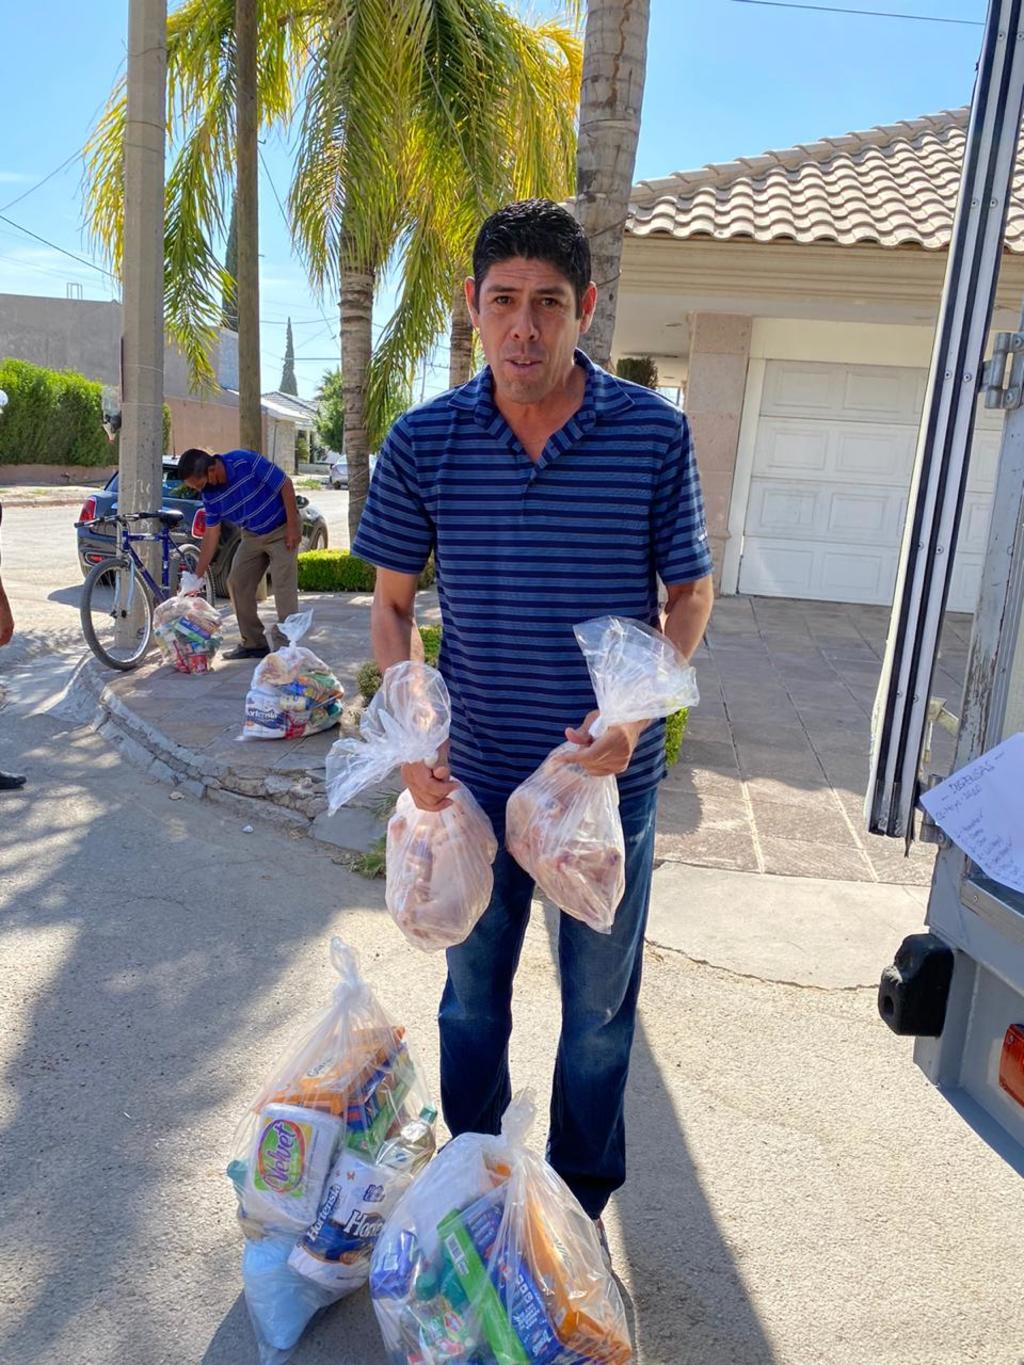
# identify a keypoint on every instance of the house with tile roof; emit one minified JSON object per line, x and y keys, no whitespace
{"x":792,"y":297}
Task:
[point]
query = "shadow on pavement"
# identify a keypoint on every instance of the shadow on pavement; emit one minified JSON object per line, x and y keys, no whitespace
{"x":688,"y":1304}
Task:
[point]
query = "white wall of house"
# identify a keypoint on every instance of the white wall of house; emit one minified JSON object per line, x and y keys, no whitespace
{"x":827,"y":440}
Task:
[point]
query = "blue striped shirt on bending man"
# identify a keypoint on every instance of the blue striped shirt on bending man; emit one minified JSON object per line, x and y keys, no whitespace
{"x":526,"y":549}
{"x":251,"y":498}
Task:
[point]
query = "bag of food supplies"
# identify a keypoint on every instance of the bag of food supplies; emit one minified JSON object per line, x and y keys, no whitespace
{"x":188,"y":632}
{"x":562,"y":823}
{"x":488,"y":1257}
{"x":439,"y":863}
{"x":293,"y":692}
{"x":329,"y":1144}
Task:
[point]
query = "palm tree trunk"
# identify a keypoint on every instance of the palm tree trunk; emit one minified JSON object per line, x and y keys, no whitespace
{"x":356,"y":351}
{"x":250,"y":412}
{"x":614,"y":66}
{"x":460,"y":356}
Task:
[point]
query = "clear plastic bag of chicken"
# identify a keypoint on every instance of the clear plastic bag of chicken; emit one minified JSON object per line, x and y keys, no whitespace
{"x":562,"y":823}
{"x":329,"y":1144}
{"x":488,"y":1257}
{"x":439,"y":863}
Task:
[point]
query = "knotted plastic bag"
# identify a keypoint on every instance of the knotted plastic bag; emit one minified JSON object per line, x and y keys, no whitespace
{"x":188,"y":632}
{"x":488,"y":1256}
{"x":324,"y":1151}
{"x":439,"y":863}
{"x":293,"y":692}
{"x":563,"y":824}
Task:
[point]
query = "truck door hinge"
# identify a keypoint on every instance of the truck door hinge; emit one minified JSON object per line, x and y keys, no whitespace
{"x":999,"y":391}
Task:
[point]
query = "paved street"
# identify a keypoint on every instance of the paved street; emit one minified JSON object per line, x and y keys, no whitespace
{"x":798,"y":1194}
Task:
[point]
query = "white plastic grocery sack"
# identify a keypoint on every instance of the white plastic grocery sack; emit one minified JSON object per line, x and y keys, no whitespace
{"x":439,"y":869}
{"x":562,"y":823}
{"x":327,"y":1147}
{"x":439,"y":863}
{"x":488,"y":1256}
{"x":293,"y":692}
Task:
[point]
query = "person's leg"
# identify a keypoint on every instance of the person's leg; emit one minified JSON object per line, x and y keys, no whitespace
{"x":475,"y":1016}
{"x":284,"y":574}
{"x":247,"y":568}
{"x":600,"y":984}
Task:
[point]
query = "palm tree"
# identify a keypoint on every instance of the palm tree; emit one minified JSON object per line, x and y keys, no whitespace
{"x":480,"y":109}
{"x":614,"y":67}
{"x":418,"y":118}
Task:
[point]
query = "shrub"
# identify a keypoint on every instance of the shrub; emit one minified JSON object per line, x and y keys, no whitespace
{"x":640,"y":369}
{"x":368,"y":675}
{"x":675,"y":729}
{"x":340,"y":571}
{"x":52,"y":417}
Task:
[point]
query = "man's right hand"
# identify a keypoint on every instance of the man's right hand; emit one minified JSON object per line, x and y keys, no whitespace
{"x":429,"y":787}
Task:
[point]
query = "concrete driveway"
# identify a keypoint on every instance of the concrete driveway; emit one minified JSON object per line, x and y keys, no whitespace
{"x":775,"y":761}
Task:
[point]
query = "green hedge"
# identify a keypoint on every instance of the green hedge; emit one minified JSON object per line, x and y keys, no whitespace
{"x":675,"y":729}
{"x":55,"y":417}
{"x":52,"y":417}
{"x":340,"y":571}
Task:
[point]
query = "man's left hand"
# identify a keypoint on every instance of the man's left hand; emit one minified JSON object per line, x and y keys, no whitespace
{"x":292,"y":536}
{"x":611,"y":752}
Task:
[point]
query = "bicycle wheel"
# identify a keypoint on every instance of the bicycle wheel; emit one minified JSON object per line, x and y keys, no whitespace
{"x":117,"y":614}
{"x":184,"y":558}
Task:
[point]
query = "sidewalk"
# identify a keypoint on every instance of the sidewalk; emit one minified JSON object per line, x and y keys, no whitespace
{"x":55,"y":495}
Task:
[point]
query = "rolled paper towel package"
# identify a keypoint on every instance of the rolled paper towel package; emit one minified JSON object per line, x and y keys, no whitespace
{"x":336,"y":1248}
{"x":291,"y":1156}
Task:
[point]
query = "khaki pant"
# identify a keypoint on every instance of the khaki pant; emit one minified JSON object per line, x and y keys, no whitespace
{"x":254,"y":556}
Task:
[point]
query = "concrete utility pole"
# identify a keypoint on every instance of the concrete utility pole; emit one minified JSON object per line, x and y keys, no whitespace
{"x":250,"y":423}
{"x":142,"y":359}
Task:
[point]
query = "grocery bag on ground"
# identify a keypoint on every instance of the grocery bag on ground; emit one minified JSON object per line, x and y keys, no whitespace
{"x":439,"y":863}
{"x":188,"y":632}
{"x":562,"y":824}
{"x":293,"y":692}
{"x":488,"y":1259}
{"x":324,"y":1152}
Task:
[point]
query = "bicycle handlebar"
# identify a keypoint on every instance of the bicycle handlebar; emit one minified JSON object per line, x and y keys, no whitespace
{"x":123,"y":518}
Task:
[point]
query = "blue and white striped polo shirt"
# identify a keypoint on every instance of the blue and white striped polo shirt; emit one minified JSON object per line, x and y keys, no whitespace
{"x":251,"y":498}
{"x":525,"y":550}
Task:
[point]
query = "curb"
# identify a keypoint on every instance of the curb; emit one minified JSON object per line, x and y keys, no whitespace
{"x":296,"y":803}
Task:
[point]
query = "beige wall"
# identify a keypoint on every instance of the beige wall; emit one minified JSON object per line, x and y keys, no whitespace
{"x":212,"y":426}
{"x":719,"y":352}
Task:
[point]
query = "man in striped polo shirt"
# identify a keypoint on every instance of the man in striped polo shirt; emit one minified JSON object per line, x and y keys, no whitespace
{"x":550,"y":492}
{"x":244,"y":488}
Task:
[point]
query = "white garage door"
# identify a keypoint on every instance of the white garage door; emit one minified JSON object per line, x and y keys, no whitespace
{"x":828,"y":493}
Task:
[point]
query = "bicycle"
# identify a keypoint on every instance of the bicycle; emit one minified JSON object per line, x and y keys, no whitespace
{"x":120,"y":594}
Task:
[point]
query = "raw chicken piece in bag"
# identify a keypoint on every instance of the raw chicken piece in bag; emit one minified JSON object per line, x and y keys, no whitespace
{"x":488,"y":1259}
{"x":563,"y":824}
{"x":439,"y":863}
{"x":329,"y":1144}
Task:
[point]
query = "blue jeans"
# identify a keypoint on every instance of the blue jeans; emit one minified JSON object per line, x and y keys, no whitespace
{"x":600,"y":978}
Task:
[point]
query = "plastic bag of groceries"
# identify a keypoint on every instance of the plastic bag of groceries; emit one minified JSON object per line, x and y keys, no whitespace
{"x":293,"y":692}
{"x":562,"y":823}
{"x":439,"y":863}
{"x":188,"y":632}
{"x":329,"y":1144}
{"x":488,"y":1257}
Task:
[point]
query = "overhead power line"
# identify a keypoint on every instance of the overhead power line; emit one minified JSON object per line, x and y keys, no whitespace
{"x":866,"y":13}
{"x":54,"y":247}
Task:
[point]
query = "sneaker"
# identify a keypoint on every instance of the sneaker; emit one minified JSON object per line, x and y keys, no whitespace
{"x":247,"y":652}
{"x":11,"y":782}
{"x":599,"y":1224}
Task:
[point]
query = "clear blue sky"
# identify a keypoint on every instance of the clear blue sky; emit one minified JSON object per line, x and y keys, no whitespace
{"x":724,"y":79}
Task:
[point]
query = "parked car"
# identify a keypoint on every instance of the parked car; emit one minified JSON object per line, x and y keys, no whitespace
{"x":94,"y":545}
{"x":337,"y":471}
